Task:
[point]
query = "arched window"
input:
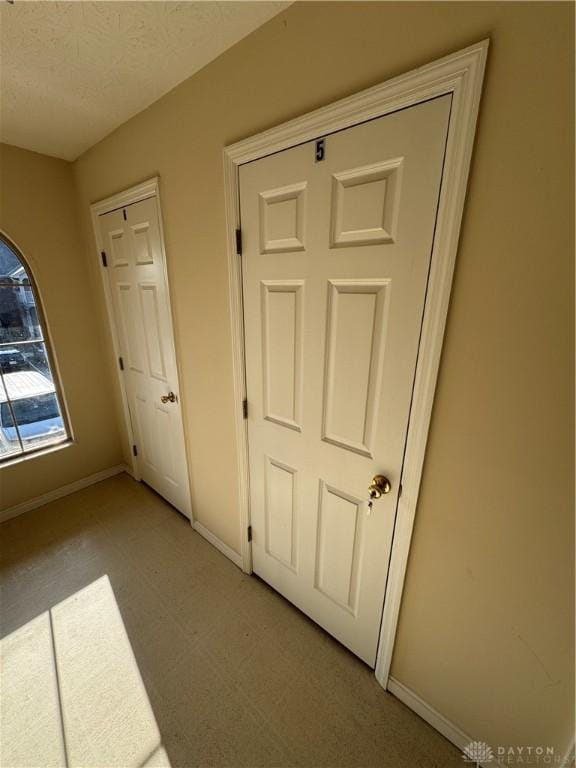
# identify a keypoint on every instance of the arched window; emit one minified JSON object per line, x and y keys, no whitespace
{"x":31,"y":413}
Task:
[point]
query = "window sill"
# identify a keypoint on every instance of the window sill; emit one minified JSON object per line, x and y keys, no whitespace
{"x":10,"y":462}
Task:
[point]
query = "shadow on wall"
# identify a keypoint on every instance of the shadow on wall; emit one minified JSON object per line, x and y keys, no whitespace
{"x":72,"y":691}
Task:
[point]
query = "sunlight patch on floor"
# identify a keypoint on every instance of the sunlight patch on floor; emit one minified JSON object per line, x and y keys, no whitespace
{"x":71,"y":691}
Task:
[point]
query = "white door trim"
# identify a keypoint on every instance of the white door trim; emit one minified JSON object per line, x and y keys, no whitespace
{"x":149,"y":188}
{"x":460,"y":74}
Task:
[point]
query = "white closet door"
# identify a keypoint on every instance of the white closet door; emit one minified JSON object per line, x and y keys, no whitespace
{"x":141,"y":305}
{"x":336,"y":254}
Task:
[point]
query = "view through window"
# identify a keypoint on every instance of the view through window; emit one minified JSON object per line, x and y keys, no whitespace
{"x":30,"y":412}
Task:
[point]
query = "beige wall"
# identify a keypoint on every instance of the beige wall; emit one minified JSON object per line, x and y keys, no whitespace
{"x":487,"y":621}
{"x":38,"y":211}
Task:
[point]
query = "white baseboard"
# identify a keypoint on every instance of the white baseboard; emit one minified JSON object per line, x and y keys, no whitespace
{"x":128,"y":469}
{"x":447,"y":728}
{"x":57,"y":493}
{"x":218,"y":543}
{"x":434,"y":718}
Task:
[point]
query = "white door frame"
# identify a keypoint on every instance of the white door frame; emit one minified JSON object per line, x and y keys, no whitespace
{"x":460,"y":74}
{"x":143,"y":191}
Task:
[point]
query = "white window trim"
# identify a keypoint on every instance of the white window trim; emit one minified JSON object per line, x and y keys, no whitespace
{"x":461,"y":75}
{"x":47,"y":339}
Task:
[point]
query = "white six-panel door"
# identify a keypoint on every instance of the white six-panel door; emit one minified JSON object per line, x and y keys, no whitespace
{"x":141,"y":307}
{"x":336,"y":255}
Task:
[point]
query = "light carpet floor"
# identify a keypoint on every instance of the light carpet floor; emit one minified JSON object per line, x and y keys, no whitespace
{"x":130,"y":641}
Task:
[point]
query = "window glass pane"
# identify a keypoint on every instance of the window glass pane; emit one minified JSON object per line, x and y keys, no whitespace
{"x":11,"y":268}
{"x":18,"y":316}
{"x":25,"y":357}
{"x":32,"y":397}
{"x":9,"y":442}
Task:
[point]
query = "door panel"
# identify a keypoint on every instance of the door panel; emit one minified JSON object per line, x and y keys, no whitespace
{"x":282,"y":352}
{"x":339,"y":546}
{"x":354,"y":350}
{"x":336,"y":258}
{"x":280,"y":522}
{"x":141,"y":307}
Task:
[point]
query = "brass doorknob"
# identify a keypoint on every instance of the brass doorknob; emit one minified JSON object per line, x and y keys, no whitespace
{"x":379,"y":486}
{"x":169,"y":398}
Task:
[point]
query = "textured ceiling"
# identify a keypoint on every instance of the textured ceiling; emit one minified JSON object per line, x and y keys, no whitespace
{"x":71,"y":72}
